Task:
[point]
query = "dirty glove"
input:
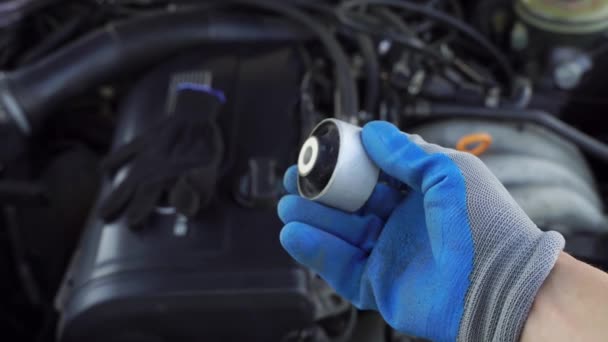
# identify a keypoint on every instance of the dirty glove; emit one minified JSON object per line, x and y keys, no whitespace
{"x":455,"y":259}
{"x":176,"y":159}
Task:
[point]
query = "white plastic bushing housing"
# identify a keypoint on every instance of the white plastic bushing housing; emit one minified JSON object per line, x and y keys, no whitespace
{"x":333,"y":167}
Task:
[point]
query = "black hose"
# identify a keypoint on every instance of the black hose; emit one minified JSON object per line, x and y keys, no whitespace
{"x":127,"y":47}
{"x":19,"y":250}
{"x":366,"y":47}
{"x":372,"y":72}
{"x":394,"y":20}
{"x":347,"y":86}
{"x":361,"y":22}
{"x":429,"y":24}
{"x":448,"y":21}
{"x":13,"y":11}
{"x":54,"y":39}
{"x":456,"y":8}
{"x":585,"y":142}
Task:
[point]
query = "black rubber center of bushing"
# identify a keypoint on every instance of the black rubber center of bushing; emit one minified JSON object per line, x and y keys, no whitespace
{"x":328,"y":136}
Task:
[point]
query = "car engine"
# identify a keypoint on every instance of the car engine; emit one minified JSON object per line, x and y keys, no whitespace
{"x":96,"y":98}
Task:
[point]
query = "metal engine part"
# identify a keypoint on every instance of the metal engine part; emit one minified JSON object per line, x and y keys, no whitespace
{"x":548,"y":177}
{"x":556,"y":38}
{"x":569,"y":17}
{"x":161,"y":281}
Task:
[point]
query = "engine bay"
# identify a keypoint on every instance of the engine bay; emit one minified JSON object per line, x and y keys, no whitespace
{"x":123,"y":219}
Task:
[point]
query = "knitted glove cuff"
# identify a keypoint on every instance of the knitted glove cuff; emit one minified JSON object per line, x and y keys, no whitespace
{"x":503,"y":288}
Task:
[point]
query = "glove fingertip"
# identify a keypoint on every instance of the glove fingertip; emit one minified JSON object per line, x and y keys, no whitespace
{"x":395,"y":153}
{"x":380,"y":138}
{"x":380,"y":126}
{"x":109,"y":210}
{"x":185,"y":199}
{"x":286,"y":205}
{"x":288,"y":237}
{"x":136,"y":214}
{"x":290,"y":180}
{"x":113,"y":205}
{"x":338,"y":262}
{"x":122,"y":155}
{"x":301,"y":241}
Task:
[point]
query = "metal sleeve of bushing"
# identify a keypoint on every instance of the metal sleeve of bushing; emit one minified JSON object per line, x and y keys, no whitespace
{"x":333,"y":167}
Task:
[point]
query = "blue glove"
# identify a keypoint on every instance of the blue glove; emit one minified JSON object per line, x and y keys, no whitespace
{"x":453,"y":259}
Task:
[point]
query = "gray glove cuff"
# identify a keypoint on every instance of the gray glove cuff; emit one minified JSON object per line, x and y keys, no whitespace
{"x":512,"y":256}
{"x":505,"y":282}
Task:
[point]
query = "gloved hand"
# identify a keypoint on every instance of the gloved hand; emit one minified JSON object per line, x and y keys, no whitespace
{"x":178,"y":158}
{"x":453,"y":259}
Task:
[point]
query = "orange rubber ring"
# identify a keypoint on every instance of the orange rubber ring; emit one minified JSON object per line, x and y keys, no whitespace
{"x":476,"y":143}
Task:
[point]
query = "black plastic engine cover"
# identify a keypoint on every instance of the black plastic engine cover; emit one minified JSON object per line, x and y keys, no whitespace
{"x":223,"y":277}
